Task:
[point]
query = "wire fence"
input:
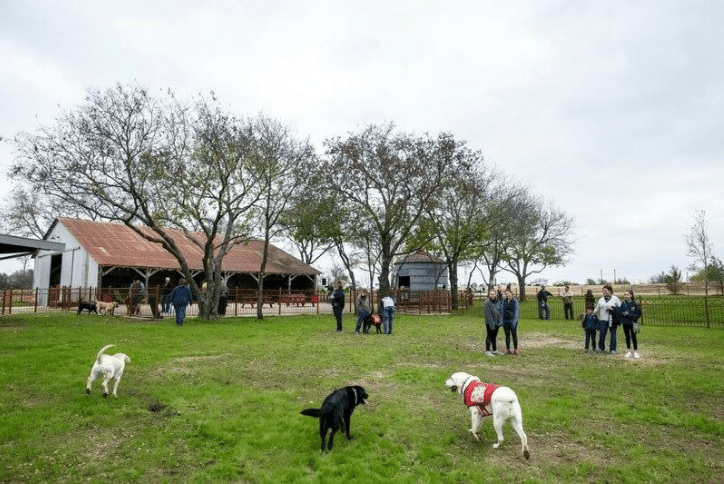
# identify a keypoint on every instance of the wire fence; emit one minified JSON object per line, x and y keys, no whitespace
{"x":668,"y":310}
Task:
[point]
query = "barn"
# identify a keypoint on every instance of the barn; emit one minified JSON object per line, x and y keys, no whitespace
{"x":108,"y":254}
{"x":421,"y":271}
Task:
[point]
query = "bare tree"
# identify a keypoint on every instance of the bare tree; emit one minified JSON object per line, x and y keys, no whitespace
{"x":493,"y":247}
{"x":700,"y":249}
{"x":390,"y":179}
{"x":284,"y":165}
{"x":126,"y":156}
{"x":541,"y":238}
{"x":464,"y":216}
{"x":305,"y":226}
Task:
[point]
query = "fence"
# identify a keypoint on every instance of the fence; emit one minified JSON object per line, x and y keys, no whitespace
{"x":701,"y":311}
{"x":239,"y":302}
{"x":694,"y":310}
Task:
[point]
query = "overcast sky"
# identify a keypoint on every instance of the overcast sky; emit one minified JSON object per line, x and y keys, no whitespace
{"x":610,"y":110}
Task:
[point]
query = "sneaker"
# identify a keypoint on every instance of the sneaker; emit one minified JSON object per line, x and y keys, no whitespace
{"x":508,"y":352}
{"x":488,"y":353}
{"x":614,"y":352}
{"x":515,"y":352}
{"x":497,"y":353}
{"x":636,"y":355}
{"x":627,"y":355}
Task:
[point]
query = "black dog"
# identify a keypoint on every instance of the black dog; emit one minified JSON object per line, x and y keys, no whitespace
{"x":336,"y":411}
{"x":372,"y":319}
{"x":89,"y":306}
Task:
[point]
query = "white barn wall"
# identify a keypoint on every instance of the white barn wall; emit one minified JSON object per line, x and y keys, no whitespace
{"x":78,"y":268}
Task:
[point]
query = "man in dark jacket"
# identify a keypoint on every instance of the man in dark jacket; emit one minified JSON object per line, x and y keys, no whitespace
{"x":338,"y":305}
{"x":543,"y":303}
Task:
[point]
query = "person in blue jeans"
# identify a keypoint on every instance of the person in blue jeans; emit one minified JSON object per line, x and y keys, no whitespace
{"x":511,"y":315}
{"x":630,"y":314}
{"x":364,"y":309}
{"x":607,"y":312}
{"x":388,"y":310}
{"x":166,"y":296}
{"x":590,"y":325}
{"x":180,"y":298}
{"x":493,"y":319}
{"x":543,"y":307}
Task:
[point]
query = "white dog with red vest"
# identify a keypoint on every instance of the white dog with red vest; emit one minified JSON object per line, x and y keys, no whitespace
{"x":485,"y":399}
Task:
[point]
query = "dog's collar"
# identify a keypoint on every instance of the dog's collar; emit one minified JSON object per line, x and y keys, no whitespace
{"x":462,"y":387}
{"x":354,"y":390}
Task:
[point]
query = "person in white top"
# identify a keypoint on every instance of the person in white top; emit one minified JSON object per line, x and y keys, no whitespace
{"x":606,"y":310}
{"x":388,"y":310}
{"x":567,"y":296}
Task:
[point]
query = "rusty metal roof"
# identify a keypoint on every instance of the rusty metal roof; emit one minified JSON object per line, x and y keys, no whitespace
{"x":115,"y":244}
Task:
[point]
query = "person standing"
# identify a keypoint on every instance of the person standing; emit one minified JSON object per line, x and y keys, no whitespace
{"x":493,"y":322}
{"x":166,"y":296}
{"x":135,"y":296}
{"x":388,"y":311}
{"x":607,"y":312}
{"x":364,"y":310}
{"x":567,"y":302}
{"x":630,"y":314}
{"x":590,"y":325}
{"x":338,"y":305}
{"x":180,"y":298}
{"x":511,"y":314}
{"x":543,"y":307}
{"x":223,"y":298}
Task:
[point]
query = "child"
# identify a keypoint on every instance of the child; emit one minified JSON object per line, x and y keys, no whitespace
{"x":589,"y":323}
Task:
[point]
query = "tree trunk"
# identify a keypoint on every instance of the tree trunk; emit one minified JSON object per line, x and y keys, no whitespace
{"x":453,"y":269}
{"x":521,"y":285}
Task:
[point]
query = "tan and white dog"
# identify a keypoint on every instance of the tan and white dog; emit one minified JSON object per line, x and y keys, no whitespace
{"x":485,"y":399}
{"x":110,"y":367}
{"x":107,"y":307}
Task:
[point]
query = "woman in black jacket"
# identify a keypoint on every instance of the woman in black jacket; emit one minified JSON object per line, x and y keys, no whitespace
{"x":630,"y":314}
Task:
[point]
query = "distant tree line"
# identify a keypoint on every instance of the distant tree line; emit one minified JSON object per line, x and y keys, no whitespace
{"x":22,"y":279}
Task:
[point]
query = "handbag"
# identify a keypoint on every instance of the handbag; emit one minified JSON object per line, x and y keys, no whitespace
{"x":636,"y":327}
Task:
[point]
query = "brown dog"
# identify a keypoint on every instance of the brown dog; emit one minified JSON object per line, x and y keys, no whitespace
{"x":107,"y":307}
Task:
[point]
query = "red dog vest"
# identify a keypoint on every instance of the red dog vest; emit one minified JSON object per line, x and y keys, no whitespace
{"x":478,"y":394}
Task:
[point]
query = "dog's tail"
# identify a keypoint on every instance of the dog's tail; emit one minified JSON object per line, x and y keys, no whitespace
{"x":98,"y":358}
{"x":312,"y":412}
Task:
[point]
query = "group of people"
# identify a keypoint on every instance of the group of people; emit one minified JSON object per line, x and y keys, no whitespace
{"x":544,"y":310}
{"x":605,"y":318}
{"x":364,"y":310}
{"x":179,"y":296}
{"x":501,"y":311}
{"x":601,"y":319}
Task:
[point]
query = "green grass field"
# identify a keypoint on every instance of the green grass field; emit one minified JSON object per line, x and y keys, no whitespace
{"x":220,"y":402}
